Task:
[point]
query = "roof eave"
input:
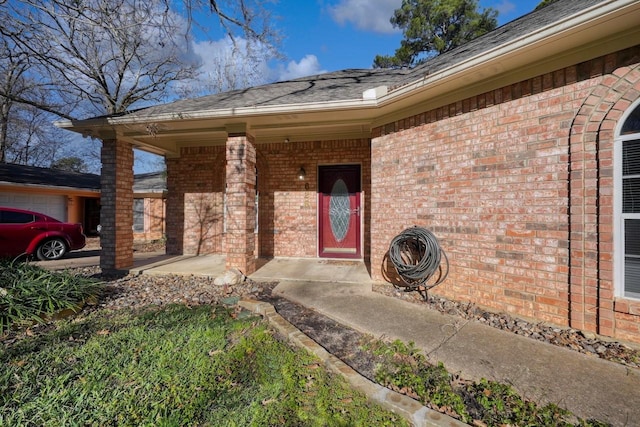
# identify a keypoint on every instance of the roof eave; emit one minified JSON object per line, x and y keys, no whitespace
{"x":575,"y":39}
{"x":56,"y":188}
{"x":93,"y":127}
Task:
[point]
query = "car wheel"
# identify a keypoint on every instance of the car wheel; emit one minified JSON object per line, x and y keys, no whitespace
{"x":51,"y":249}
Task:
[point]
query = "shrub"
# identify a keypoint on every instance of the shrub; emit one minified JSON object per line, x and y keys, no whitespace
{"x":31,"y":293}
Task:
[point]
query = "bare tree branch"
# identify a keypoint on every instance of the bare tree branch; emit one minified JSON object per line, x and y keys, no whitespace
{"x":101,"y":56}
{"x":83,"y":58}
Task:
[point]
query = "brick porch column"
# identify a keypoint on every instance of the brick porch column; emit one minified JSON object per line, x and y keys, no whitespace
{"x":174,"y":217}
{"x":240,"y":191}
{"x":116,"y":200}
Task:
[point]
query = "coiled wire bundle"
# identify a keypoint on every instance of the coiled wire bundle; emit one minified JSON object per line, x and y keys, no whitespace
{"x":416,"y":255}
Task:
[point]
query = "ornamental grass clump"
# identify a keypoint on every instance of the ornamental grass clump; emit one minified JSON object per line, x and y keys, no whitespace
{"x":29,"y":293}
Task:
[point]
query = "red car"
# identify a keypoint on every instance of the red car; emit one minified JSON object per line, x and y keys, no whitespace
{"x":30,"y":233}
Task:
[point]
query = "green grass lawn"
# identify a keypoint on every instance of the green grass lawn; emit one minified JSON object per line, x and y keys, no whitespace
{"x":175,"y":366}
{"x":204,"y":366}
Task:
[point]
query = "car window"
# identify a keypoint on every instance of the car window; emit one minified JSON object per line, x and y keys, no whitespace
{"x":9,"y":217}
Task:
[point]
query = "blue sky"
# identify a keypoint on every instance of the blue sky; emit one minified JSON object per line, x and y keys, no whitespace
{"x":329,"y":35}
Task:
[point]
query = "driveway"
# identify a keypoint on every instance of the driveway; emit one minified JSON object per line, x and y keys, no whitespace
{"x":91,"y":258}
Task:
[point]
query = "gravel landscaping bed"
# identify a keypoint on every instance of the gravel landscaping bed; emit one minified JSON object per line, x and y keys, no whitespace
{"x":573,"y":339}
{"x":131,"y":291}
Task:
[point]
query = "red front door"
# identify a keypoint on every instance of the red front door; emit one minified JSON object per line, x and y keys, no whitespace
{"x":339,"y":211}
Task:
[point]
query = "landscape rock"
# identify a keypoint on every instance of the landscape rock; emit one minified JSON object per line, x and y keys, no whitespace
{"x":230,"y":277}
{"x":132,"y":291}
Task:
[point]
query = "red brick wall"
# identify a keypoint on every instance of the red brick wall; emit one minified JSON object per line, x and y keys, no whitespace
{"x":195,"y":198}
{"x":288,"y":206}
{"x":240,"y":205}
{"x":116,"y":212}
{"x":593,"y":300}
{"x":518,"y":193}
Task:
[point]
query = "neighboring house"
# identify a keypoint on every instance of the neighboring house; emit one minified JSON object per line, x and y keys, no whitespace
{"x":520,"y":150}
{"x":66,"y":196}
{"x":75,"y":197}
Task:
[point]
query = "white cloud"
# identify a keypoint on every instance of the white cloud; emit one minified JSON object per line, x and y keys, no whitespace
{"x":226,"y":66}
{"x":505,"y":7}
{"x":307,"y":66}
{"x":368,"y":15}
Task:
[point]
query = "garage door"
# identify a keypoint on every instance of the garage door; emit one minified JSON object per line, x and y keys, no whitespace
{"x":55,"y":206}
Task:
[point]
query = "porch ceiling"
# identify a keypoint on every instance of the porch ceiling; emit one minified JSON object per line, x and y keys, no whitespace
{"x":167,"y":137}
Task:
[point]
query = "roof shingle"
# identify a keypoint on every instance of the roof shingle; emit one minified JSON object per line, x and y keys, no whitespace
{"x":351,"y":83}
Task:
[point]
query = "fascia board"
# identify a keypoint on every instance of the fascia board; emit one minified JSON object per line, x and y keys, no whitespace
{"x":225,"y":113}
{"x":50,"y":188}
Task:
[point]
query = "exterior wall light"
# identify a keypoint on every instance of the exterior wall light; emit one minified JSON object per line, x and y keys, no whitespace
{"x":302,"y":174}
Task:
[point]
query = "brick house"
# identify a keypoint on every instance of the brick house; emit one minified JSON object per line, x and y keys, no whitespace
{"x":67,"y":196}
{"x":75,"y":197}
{"x":516,"y":150}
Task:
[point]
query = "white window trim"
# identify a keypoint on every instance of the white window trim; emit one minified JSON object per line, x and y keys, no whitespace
{"x":618,"y":216}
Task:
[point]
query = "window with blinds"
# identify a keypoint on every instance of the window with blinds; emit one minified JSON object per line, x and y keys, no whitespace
{"x":630,"y":212}
{"x":138,"y":215}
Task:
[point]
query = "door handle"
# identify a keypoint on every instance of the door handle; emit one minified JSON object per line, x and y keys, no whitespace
{"x":356,"y":211}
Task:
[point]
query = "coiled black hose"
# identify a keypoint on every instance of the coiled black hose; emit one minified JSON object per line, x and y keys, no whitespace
{"x":417,"y":255}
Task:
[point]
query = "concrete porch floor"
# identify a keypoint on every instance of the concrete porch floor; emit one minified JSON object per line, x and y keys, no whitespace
{"x":276,"y":269}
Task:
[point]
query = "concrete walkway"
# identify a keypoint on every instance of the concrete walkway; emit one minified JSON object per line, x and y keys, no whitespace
{"x":91,"y":257}
{"x":588,"y":386}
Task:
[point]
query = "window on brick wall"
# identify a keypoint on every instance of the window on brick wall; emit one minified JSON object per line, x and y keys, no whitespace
{"x":138,"y":215}
{"x":627,"y":192}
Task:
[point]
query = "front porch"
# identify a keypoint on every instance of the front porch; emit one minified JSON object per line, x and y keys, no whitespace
{"x":246,"y":201}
